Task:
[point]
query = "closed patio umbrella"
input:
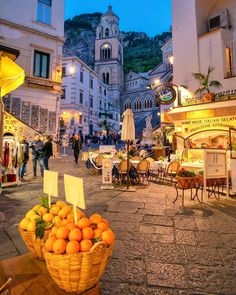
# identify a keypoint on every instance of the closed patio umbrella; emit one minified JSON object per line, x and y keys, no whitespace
{"x":128,"y":134}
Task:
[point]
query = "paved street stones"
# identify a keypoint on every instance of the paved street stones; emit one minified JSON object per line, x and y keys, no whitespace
{"x":161,"y":248}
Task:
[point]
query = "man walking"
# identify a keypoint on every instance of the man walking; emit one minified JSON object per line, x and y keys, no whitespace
{"x":46,"y":152}
{"x":36,"y":147}
{"x":76,"y":146}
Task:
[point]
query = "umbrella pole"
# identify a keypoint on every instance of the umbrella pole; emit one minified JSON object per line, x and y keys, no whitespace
{"x":128,"y":144}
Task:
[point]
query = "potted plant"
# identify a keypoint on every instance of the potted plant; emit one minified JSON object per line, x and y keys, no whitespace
{"x":206,"y":84}
{"x":186,"y":179}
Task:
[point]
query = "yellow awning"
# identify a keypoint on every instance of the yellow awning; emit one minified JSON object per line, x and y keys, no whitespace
{"x":11,"y":75}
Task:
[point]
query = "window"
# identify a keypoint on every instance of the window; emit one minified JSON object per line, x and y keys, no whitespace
{"x":81,"y":77}
{"x":107,"y":78}
{"x":107,"y":32}
{"x":41,"y":64}
{"x":44,"y":11}
{"x":81,"y":97}
{"x":63,"y":71}
{"x":228,"y":58}
{"x":105,"y":92}
{"x":91,"y":102}
{"x":104,"y":78}
{"x":80,"y":119}
{"x":91,"y":83}
{"x":63,"y":95}
{"x":100,"y":89}
{"x":106,"y":51}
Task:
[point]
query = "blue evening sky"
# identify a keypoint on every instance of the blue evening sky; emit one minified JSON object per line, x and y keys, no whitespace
{"x":149,"y":16}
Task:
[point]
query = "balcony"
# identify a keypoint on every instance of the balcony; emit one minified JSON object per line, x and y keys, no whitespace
{"x":220,"y":96}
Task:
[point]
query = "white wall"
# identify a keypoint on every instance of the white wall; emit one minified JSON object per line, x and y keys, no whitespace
{"x":24,"y":12}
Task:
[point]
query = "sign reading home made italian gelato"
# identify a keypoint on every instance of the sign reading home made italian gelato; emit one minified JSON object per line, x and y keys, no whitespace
{"x":192,"y":126}
{"x":165,"y":94}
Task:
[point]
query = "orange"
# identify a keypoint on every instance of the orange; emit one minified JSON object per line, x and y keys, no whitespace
{"x":108,"y":237}
{"x":23,"y":224}
{"x":49,"y":243}
{"x":83,"y":222}
{"x":85,"y":245}
{"x":72,"y":247}
{"x":62,"y":233}
{"x":59,"y":246}
{"x":97,"y":234}
{"x":42,"y":210}
{"x":75,"y":234}
{"x":106,"y":221}
{"x":87,"y":233}
{"x":71,"y":225}
{"x":48,"y":217}
{"x":31,"y":226}
{"x":60,"y":204}
{"x":64,"y":222}
{"x":95,"y":218}
{"x":102,"y":226}
{"x":54,"y":230}
{"x":55,"y":210}
{"x":64,"y":212}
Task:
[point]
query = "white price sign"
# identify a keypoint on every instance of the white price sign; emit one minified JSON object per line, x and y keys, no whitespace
{"x":107,"y":171}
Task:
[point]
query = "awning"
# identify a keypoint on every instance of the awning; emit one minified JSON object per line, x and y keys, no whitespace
{"x":11,"y":75}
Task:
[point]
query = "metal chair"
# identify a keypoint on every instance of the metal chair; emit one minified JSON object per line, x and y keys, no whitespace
{"x":171,"y":171}
{"x":122,"y":170}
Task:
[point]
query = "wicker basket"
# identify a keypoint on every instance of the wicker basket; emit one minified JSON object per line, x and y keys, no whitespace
{"x":34,"y":245}
{"x":81,"y":271}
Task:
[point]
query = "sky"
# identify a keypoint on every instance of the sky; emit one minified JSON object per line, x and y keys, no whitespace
{"x":150,"y":16}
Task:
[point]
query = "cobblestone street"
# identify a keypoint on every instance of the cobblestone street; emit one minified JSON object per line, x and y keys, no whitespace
{"x":160,"y":247}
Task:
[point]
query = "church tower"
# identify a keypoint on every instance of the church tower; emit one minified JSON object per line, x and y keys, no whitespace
{"x":109,"y":56}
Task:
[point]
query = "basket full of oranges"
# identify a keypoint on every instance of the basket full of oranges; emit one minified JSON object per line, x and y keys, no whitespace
{"x":77,"y":253}
{"x":38,"y":222}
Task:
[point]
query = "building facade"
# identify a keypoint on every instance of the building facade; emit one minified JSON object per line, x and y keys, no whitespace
{"x":85,"y":103}
{"x":109,"y":57}
{"x":139,"y":91}
{"x":37,"y":31}
{"x":205,"y":37}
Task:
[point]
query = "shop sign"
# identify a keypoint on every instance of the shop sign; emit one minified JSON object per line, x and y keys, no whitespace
{"x":192,"y":126}
{"x":165,"y":94}
{"x":107,"y":171}
{"x":65,"y":142}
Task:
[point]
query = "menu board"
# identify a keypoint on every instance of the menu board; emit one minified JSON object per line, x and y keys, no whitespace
{"x":107,"y":171}
{"x":107,"y":149}
{"x":216,"y":165}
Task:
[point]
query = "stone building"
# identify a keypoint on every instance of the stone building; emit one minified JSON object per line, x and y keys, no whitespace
{"x":36,"y":29}
{"x":139,"y":96}
{"x":109,"y":57}
{"x":85,"y":103}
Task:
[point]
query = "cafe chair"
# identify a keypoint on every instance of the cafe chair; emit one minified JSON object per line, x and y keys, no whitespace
{"x":98,"y":160}
{"x":122,"y":170}
{"x":152,"y":170}
{"x":171,"y":171}
{"x":143,"y":170}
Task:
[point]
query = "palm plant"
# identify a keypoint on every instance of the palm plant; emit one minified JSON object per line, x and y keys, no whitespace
{"x":205,"y":82}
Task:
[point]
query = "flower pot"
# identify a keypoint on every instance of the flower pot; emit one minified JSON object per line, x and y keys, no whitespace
{"x":208,"y":97}
{"x":186,"y":182}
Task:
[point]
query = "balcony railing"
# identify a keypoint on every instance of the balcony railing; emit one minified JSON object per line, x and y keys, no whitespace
{"x":220,"y":96}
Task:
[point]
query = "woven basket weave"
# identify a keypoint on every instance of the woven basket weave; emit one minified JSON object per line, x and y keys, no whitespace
{"x":34,"y":245}
{"x":81,"y":271}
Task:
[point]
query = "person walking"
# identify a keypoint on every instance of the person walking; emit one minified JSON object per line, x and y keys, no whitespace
{"x":76,"y":147}
{"x":46,"y":152}
{"x":36,"y":147}
{"x":23,"y":156}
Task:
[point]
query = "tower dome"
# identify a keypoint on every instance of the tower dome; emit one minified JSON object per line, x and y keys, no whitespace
{"x":110,"y":13}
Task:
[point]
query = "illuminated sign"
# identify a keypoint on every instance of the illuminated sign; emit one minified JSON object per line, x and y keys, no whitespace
{"x":165,"y":94}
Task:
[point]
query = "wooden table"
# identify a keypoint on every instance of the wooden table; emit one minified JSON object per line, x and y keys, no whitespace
{"x":31,"y":277}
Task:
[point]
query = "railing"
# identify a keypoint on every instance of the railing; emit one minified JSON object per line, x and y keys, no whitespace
{"x":220,"y":96}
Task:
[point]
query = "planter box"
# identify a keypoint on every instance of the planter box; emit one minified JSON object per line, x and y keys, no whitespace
{"x":186,"y":182}
{"x":211,"y":181}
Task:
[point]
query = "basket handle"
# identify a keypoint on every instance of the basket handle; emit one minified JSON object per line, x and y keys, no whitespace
{"x":98,"y":247}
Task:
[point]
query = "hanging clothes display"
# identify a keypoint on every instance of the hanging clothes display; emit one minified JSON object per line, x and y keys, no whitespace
{"x":5,"y":156}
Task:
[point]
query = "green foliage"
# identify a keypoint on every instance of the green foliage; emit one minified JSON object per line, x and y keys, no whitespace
{"x":205,"y":83}
{"x":186,"y":173}
{"x":44,"y":202}
{"x":40,"y":227}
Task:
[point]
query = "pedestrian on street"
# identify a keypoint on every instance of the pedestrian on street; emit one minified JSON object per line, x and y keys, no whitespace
{"x":46,"y":152}
{"x":76,"y":147}
{"x":23,"y":157}
{"x":36,"y":147}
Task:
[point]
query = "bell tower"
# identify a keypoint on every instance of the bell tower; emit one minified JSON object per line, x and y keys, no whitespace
{"x":109,"y":56}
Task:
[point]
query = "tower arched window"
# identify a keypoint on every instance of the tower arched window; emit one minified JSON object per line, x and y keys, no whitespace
{"x":107,"y":78}
{"x":104,"y":78}
{"x":106,"y":51}
{"x":107,"y":32}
